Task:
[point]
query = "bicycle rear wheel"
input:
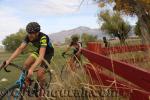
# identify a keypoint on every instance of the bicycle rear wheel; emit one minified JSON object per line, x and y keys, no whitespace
{"x":64,"y":73}
{"x":42,"y":91}
{"x":48,"y":78}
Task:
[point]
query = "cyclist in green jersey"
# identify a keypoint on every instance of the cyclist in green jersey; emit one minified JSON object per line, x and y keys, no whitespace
{"x":77,"y":46}
{"x":44,"y":51}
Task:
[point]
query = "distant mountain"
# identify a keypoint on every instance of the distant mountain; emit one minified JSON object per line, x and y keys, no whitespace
{"x":60,"y":36}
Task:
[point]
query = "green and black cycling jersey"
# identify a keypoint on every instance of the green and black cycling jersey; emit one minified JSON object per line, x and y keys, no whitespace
{"x":41,"y":41}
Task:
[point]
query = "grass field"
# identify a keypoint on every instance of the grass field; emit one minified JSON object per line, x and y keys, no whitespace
{"x":76,"y":80}
{"x":131,"y":55}
{"x":56,"y":65}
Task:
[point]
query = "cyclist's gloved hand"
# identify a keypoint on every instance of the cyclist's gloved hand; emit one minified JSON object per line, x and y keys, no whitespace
{"x":6,"y":63}
{"x":63,"y":54}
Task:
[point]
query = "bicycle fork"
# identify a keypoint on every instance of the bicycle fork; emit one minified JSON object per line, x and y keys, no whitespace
{"x":20,"y":82}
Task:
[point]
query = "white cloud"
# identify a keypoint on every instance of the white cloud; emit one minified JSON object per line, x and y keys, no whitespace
{"x":9,"y":22}
{"x":48,"y":7}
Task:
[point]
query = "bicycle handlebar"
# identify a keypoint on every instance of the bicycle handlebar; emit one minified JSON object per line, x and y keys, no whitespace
{"x":63,"y":55}
{"x":3,"y":64}
{"x":14,"y":65}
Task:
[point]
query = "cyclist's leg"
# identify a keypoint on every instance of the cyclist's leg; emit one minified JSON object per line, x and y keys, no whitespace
{"x":41,"y":80}
{"x":41,"y":72}
{"x":40,"y":75}
{"x":30,"y":60}
{"x":74,"y":61}
{"x":71,"y":63}
{"x":28,"y":63}
{"x":78,"y":59}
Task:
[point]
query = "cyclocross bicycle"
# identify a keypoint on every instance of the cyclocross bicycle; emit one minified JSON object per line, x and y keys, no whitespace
{"x":24,"y":87}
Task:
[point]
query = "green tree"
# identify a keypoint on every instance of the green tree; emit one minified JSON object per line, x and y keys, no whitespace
{"x":88,"y":38}
{"x":114,"y":25}
{"x":137,"y":29}
{"x":12,"y":41}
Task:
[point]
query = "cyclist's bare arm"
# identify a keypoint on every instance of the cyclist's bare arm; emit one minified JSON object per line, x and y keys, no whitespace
{"x":17,"y":52}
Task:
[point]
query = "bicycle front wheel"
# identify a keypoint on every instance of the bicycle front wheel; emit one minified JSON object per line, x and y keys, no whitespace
{"x":48,"y":78}
{"x":12,"y":93}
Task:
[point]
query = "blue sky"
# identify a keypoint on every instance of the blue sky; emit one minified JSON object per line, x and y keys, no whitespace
{"x":53,"y":15}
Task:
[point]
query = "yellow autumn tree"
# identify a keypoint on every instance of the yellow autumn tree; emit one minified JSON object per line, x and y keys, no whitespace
{"x":140,"y":8}
{"x":114,"y":25}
